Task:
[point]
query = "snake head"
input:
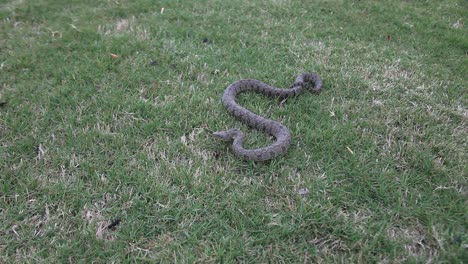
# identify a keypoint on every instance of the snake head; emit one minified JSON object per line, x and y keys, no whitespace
{"x":227,"y":135}
{"x":311,"y":81}
{"x":314,"y":79}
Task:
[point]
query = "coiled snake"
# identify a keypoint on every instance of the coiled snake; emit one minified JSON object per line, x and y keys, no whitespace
{"x":309,"y":81}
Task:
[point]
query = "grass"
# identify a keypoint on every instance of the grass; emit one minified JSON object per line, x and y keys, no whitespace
{"x":106,"y":109}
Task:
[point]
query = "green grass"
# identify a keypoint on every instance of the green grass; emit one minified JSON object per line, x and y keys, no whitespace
{"x":88,"y":138}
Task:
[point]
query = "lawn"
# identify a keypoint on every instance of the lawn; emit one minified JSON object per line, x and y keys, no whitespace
{"x":106,"y":111}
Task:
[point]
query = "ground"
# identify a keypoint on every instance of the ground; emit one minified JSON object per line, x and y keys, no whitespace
{"x":106,"y":110}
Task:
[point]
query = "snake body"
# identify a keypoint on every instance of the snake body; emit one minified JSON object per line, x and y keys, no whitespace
{"x":309,"y":81}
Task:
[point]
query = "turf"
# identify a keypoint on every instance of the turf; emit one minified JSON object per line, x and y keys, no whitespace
{"x":106,"y":110}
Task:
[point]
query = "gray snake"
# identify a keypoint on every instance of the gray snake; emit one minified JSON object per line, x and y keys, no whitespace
{"x":309,"y":81}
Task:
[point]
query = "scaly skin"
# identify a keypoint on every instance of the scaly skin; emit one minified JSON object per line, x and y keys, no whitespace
{"x":309,"y":81}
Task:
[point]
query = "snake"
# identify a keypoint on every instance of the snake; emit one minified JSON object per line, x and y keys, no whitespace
{"x":310,"y":81}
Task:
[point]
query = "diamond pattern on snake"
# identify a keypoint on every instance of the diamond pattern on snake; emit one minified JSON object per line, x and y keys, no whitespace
{"x":305,"y":81}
